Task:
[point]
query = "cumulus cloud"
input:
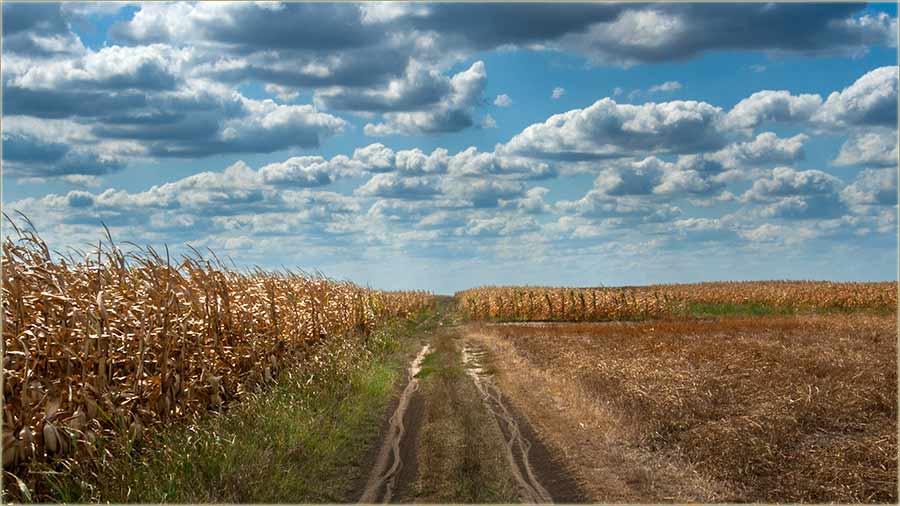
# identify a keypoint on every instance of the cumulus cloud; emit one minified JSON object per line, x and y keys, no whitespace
{"x":666,"y":87}
{"x":873,"y":187}
{"x":451,"y":114}
{"x":704,"y":229}
{"x":284,"y":93}
{"x":608,"y":130}
{"x":262,"y":126}
{"x":303,"y":171}
{"x":532,"y":202}
{"x":419,"y":88}
{"x":416,"y":162}
{"x":793,"y":194}
{"x":598,"y":205}
{"x":558,"y":93}
{"x":876,"y":147}
{"x":687,"y":182}
{"x":38,"y":30}
{"x":232,"y":202}
{"x":770,"y":105}
{"x":140,"y":95}
{"x":154,"y":67}
{"x":396,"y":186}
{"x":871,"y":100}
{"x":469,"y":162}
{"x":472,"y":163}
{"x":170,"y":69}
{"x":481,"y":192}
{"x":503,"y":100}
{"x":499,"y":226}
{"x":659,"y":33}
{"x":30,"y":156}
{"x":766,"y":148}
{"x":772,"y":233}
{"x":785,"y":181}
{"x":652,"y":176}
{"x":251,"y":26}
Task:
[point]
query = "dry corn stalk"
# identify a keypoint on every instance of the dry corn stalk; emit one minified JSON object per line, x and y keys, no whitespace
{"x":628,"y":303}
{"x":113,"y":343}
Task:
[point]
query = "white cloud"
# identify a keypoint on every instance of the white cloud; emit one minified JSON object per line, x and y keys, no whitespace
{"x":116,"y":68}
{"x":785,"y":181}
{"x":284,"y":93}
{"x":876,"y":147}
{"x":766,"y":148}
{"x":873,"y":187}
{"x":666,"y":87}
{"x":453,"y":113}
{"x":532,"y":202}
{"x":503,"y":100}
{"x":481,"y":192}
{"x":871,"y":100}
{"x":558,"y":93}
{"x":770,"y":105}
{"x":302,"y":171}
{"x":791,"y":194}
{"x":396,"y":186}
{"x":607,"y":129}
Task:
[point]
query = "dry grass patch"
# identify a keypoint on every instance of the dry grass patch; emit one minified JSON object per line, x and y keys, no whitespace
{"x":796,"y":409}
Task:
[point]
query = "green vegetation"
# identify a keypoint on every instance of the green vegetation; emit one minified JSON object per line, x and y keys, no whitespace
{"x":701,"y":310}
{"x":707,"y":310}
{"x":300,"y":440}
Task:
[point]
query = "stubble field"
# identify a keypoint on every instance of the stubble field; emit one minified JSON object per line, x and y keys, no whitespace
{"x":796,"y":408}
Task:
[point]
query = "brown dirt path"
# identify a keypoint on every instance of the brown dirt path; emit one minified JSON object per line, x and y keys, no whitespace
{"x":460,"y":439}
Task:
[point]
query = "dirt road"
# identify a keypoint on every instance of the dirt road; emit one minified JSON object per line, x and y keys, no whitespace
{"x":453,"y":436}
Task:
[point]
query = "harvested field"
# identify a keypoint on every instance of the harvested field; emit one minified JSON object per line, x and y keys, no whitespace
{"x":774,"y":409}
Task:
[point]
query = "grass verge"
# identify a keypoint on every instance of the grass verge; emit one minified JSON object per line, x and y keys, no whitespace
{"x":708,"y":310}
{"x":700,"y":310}
{"x":300,"y":440}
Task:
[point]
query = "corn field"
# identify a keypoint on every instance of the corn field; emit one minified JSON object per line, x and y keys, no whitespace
{"x":112,"y":344}
{"x":601,"y":304}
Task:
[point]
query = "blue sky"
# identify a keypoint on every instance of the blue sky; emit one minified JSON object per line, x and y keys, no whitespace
{"x":444,"y":146}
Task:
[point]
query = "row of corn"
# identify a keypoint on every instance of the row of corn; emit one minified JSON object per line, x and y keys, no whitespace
{"x":628,"y":303}
{"x":112,"y":344}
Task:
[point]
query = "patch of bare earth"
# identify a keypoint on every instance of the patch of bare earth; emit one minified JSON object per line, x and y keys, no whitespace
{"x":770,"y":409}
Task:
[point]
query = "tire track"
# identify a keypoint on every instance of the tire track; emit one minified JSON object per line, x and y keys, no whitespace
{"x":517,"y":446}
{"x":383,"y":478}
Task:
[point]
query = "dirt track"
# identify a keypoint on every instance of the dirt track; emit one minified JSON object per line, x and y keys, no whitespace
{"x":541,"y":479}
{"x":508,"y":443}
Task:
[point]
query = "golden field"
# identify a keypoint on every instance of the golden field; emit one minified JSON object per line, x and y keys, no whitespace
{"x":113,"y":344}
{"x":517,"y":303}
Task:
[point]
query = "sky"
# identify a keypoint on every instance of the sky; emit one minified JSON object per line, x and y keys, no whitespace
{"x":443,"y":146}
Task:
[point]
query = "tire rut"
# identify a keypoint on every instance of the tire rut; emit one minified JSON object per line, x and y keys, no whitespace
{"x":518,"y":445}
{"x":382,"y":481}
